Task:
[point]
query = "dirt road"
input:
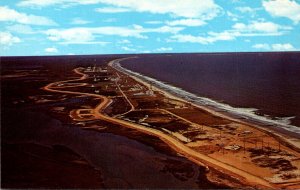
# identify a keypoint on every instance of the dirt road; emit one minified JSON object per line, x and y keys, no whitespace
{"x":171,"y":141}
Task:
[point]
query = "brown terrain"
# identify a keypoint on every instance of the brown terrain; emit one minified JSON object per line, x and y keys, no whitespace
{"x":103,"y":99}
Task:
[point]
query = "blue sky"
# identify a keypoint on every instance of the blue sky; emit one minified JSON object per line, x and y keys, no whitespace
{"x":66,"y":27}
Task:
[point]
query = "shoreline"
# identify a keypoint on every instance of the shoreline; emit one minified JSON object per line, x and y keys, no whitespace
{"x":243,"y":176}
{"x":95,"y":100}
{"x":230,"y":169}
{"x":286,"y":137}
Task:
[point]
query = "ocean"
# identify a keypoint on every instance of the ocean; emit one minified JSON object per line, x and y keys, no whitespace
{"x":257,"y":85}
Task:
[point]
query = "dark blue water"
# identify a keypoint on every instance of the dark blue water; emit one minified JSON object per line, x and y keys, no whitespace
{"x":269,"y":82}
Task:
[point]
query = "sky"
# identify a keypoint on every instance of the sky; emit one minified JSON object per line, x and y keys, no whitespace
{"x":73,"y":27}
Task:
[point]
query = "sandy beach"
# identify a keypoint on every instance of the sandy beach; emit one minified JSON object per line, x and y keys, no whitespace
{"x":106,"y":99}
{"x":270,"y":136}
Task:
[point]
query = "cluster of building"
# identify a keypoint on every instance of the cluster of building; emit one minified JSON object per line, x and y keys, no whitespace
{"x":95,"y":69}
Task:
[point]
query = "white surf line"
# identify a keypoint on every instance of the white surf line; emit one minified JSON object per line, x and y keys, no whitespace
{"x":247,"y":113}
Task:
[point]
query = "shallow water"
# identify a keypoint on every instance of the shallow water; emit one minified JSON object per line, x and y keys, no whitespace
{"x":123,"y":162}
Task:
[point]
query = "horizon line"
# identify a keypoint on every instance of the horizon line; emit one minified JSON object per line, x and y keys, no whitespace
{"x":122,"y":54}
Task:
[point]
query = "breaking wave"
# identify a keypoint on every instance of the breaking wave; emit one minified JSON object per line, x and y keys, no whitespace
{"x":241,"y":113}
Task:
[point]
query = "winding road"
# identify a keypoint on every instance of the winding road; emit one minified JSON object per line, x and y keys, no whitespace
{"x":189,"y":153}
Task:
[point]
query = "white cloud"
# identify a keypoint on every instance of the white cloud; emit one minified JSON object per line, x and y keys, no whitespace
{"x":205,"y":9}
{"x":102,"y":43}
{"x":51,"y":50}
{"x":248,"y":10}
{"x":165,"y":29}
{"x":245,"y":9}
{"x":119,"y":31}
{"x":210,"y":38}
{"x":157,"y":50}
{"x":189,"y":38}
{"x":79,"y":21}
{"x":222,"y":36}
{"x":283,"y":8}
{"x":7,"y":39}
{"x":124,"y":42}
{"x":233,"y":17}
{"x":239,"y":29}
{"x":10,"y":15}
{"x":265,"y":27}
{"x":21,"y":28}
{"x":186,"y":22}
{"x":75,"y":35}
{"x":81,"y":35}
{"x":163,"y":49}
{"x":275,"y":47}
{"x":112,"y":10}
{"x":128,"y":49}
{"x":154,"y":22}
{"x":261,"y":46}
{"x":187,"y":8}
{"x":146,"y":51}
{"x":283,"y":47}
{"x":40,"y":3}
